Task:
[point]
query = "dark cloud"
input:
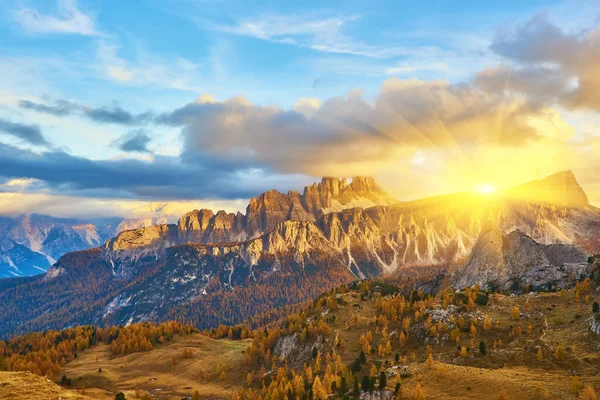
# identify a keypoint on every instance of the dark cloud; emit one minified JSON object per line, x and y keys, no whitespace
{"x":162,"y":178}
{"x":567,"y":64}
{"x":103,"y":115}
{"x":134,"y":141}
{"x":537,"y":41}
{"x":543,"y":84}
{"x":60,"y":108}
{"x":28,"y":133}
{"x":117,"y":115}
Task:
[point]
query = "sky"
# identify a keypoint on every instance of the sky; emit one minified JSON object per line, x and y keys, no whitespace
{"x":112,"y":106}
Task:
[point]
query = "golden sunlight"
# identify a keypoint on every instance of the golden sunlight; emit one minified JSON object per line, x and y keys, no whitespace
{"x":486,"y":189}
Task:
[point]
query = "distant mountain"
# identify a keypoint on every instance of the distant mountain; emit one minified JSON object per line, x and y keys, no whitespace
{"x":213,"y":268}
{"x":30,"y":244}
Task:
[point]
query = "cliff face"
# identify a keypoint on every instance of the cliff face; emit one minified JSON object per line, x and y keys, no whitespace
{"x":263,"y":213}
{"x":380,"y":239}
{"x":503,"y":261}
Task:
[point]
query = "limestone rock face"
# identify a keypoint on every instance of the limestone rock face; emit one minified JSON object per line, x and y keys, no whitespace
{"x":142,"y":237}
{"x":503,"y":260}
{"x":378,"y":236}
{"x":194,"y":224}
{"x":263,"y":213}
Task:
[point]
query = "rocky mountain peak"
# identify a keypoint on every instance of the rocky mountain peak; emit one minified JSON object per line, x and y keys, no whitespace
{"x":364,"y":184}
{"x":560,"y":189}
{"x":503,"y":260}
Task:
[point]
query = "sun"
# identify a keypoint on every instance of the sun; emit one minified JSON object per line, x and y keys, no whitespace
{"x":486,"y":189}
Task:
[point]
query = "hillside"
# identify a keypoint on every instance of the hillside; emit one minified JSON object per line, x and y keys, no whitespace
{"x":536,"y":345}
{"x":24,"y":385}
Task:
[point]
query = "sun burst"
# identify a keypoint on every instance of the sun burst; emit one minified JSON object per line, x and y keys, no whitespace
{"x":486,"y":189}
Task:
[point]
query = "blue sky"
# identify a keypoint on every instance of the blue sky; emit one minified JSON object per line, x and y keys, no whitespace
{"x":268,"y":64}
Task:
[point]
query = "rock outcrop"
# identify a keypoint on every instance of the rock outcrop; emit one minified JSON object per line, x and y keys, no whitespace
{"x":501,"y":260}
{"x":595,"y":324}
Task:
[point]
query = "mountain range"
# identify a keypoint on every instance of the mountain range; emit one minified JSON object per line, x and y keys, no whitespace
{"x":214,"y":268}
{"x":30,"y":244}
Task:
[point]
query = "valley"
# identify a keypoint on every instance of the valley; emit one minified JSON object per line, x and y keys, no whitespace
{"x":431,"y":346}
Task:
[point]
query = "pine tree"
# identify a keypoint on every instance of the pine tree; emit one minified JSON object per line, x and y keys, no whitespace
{"x":487,"y":323}
{"x":363,"y":358}
{"x":576,"y":385}
{"x":366,"y":384}
{"x":373,"y":371}
{"x":382,"y":381}
{"x":356,"y":389}
{"x":539,"y":356}
{"x":515,"y":313}
{"x":319,"y":391}
{"x":430,"y":363}
{"x":588,"y":393}
{"x":419,"y":392}
{"x":560,"y":353}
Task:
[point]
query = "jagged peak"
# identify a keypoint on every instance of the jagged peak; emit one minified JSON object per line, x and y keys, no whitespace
{"x":560,"y":188}
{"x":364,"y":183}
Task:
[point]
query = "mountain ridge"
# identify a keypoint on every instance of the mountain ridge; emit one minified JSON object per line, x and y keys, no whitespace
{"x":156,"y":274}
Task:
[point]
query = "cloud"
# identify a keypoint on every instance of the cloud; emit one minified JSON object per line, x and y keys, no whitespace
{"x":70,"y":20}
{"x":540,"y":83}
{"x":15,"y":203}
{"x":27,"y":133}
{"x":162,"y":178}
{"x":346,"y":132}
{"x":134,"y":141}
{"x":144,"y":69}
{"x":320,"y":33}
{"x":567,"y":62}
{"x":104,"y":115}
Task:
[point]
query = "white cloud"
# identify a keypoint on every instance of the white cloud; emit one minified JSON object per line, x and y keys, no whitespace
{"x":320,"y":33}
{"x":70,"y":20}
{"x":15,"y":203}
{"x":146,"y":69}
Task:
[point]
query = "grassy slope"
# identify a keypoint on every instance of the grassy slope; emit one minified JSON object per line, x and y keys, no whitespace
{"x":513,"y":367}
{"x":23,"y":385}
{"x":152,"y":372}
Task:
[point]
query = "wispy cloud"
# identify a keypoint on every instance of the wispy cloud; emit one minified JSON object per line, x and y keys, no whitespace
{"x":69,"y":20}
{"x":146,"y":69}
{"x":320,"y":33}
{"x":103,"y":115}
